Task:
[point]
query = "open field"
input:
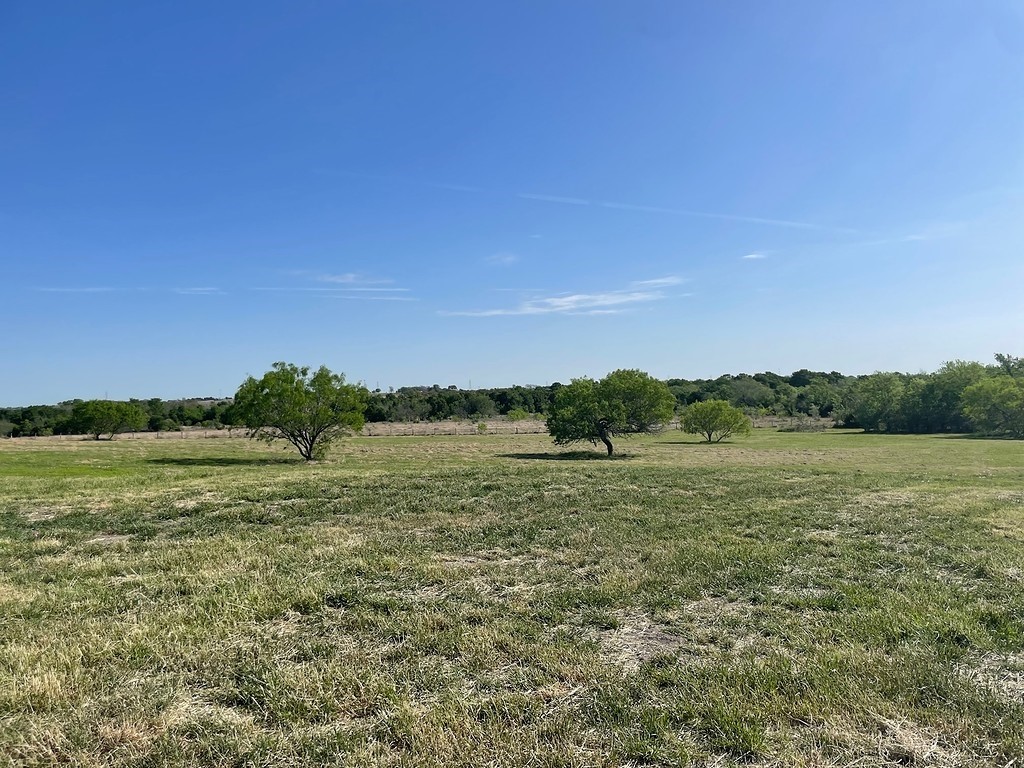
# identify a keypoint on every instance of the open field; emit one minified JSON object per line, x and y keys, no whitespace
{"x":791,"y":599}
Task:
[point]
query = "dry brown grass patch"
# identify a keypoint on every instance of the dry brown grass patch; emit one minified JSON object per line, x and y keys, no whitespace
{"x":1003,"y":674}
{"x":636,"y":640}
{"x":108,"y":540}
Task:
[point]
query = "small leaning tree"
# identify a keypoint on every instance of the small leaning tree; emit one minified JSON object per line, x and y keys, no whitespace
{"x":310,"y":411}
{"x":715,"y":420}
{"x":625,"y":402}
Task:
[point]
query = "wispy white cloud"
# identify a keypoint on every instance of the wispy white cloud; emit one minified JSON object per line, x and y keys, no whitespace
{"x":606,"y":302}
{"x":76,"y":289}
{"x":571,"y":304}
{"x":347,"y":277}
{"x":685,"y":212}
{"x":199,"y":291}
{"x":754,"y":256}
{"x":535,"y":302}
{"x":563,"y":200}
{"x":929,"y":232}
{"x":350,"y":278}
{"x":658,"y":282}
{"x":553,"y":199}
{"x":341,"y":285}
{"x":502,"y":259}
{"x":326,"y":290}
{"x":363,"y":297}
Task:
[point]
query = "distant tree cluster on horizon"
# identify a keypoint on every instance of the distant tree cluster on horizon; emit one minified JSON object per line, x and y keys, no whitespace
{"x":961,"y":396}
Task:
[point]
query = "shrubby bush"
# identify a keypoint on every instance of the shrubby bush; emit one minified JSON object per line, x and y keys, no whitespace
{"x":715,"y":420}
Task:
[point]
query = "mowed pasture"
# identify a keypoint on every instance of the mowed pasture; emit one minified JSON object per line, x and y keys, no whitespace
{"x":790,"y":599}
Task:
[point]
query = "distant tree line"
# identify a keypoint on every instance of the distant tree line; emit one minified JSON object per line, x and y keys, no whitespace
{"x":961,"y":396}
{"x":438,"y":403}
{"x":77,"y":417}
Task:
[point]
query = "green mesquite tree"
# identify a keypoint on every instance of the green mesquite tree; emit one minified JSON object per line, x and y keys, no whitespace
{"x":625,"y":402}
{"x":715,"y":420}
{"x":310,"y":411}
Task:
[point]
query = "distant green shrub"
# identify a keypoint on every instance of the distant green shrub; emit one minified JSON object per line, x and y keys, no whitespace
{"x":715,"y":420}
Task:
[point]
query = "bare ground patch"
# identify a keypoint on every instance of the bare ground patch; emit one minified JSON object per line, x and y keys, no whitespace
{"x":108,"y":540}
{"x":10,"y":593}
{"x":637,"y":639}
{"x":1003,"y":674}
{"x":903,"y":742}
{"x":43,"y":514}
{"x":701,"y":628}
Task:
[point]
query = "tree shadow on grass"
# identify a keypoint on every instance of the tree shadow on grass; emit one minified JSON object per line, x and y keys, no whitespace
{"x":732,"y":440}
{"x":974,"y":436}
{"x":224,"y":461}
{"x":568,"y":456}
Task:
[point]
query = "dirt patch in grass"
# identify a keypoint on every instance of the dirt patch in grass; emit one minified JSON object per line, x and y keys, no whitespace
{"x":108,"y":540}
{"x":42,"y":514}
{"x":700,"y":629}
{"x":190,"y":708}
{"x":497,"y":557}
{"x":637,"y":639}
{"x":189,"y":504}
{"x":902,"y":742}
{"x":9,"y":593}
{"x":1003,"y":674}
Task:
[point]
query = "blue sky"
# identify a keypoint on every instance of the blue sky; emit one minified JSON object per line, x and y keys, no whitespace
{"x":498,"y":193}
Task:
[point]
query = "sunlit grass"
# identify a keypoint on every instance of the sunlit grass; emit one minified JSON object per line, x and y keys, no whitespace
{"x":797,"y":599}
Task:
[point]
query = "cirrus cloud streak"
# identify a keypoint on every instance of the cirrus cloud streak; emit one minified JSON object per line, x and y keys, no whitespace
{"x":602,"y":303}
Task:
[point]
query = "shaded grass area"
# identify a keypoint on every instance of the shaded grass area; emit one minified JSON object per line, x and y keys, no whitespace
{"x":796,"y":599}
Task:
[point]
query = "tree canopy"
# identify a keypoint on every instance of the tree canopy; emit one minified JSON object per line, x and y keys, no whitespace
{"x":715,"y":420}
{"x":624,"y":402}
{"x":102,"y":417}
{"x":996,"y":405}
{"x":310,"y":411}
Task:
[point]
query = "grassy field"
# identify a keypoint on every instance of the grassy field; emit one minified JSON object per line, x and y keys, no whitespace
{"x":791,"y":599}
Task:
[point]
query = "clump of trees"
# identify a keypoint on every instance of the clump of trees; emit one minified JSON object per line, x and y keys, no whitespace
{"x":161,"y":415}
{"x":962,"y":396}
{"x":625,"y":402}
{"x":107,"y":417}
{"x":715,"y":420}
{"x":996,"y":405}
{"x":804,"y":392}
{"x":436,"y":403}
{"x":309,"y":410}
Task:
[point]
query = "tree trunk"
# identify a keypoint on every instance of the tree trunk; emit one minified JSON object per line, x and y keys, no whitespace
{"x":602,"y":434}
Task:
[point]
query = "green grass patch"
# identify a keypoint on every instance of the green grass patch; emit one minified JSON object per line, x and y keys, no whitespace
{"x":797,"y":599}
